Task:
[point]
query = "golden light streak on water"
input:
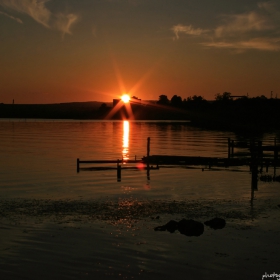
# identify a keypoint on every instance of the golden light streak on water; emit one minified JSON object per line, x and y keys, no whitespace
{"x":125,"y":146}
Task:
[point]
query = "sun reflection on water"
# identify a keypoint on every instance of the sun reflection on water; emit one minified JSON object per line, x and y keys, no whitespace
{"x":125,"y":146}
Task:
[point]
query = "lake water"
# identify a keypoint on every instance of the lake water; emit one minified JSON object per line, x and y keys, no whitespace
{"x":58,"y":223}
{"x":38,"y":160}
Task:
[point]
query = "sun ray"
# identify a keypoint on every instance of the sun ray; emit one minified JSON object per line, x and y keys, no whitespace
{"x":125,"y":99}
{"x":129,"y":111}
{"x":145,"y":77}
{"x":114,"y":110}
{"x":118,"y":75}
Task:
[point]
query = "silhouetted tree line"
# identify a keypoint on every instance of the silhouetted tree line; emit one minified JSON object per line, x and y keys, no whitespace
{"x":224,"y":99}
{"x":228,"y":110}
{"x":177,"y":101}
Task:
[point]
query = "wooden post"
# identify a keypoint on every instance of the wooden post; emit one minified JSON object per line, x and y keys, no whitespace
{"x":254,"y":169}
{"x":275,"y":151}
{"x":254,"y":178}
{"x":260,"y":155}
{"x":78,"y":165}
{"x":275,"y":157}
{"x":148,"y":157}
{"x":148,"y":146}
{"x":251,"y":152}
{"x":232,"y":147}
{"x":119,"y":171}
{"x":229,"y":148}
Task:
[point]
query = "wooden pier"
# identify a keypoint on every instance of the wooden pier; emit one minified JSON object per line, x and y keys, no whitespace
{"x":253,"y":155}
{"x":120,"y":164}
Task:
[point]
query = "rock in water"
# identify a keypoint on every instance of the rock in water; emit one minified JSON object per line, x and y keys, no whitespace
{"x":171,"y":226}
{"x":160,"y":228}
{"x":190,"y":227}
{"x":216,"y":223}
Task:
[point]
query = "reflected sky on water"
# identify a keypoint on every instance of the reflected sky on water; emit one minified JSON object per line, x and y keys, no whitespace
{"x":39,"y":160}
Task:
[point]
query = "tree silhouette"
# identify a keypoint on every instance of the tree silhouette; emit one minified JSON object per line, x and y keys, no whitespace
{"x":176,"y":101}
{"x":193,"y":102}
{"x":163,"y":99}
{"x":226,"y":96}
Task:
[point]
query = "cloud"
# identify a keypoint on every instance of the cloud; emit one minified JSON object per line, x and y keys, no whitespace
{"x":243,"y":23}
{"x":257,"y":29}
{"x":34,"y":8}
{"x":263,"y":44}
{"x":269,"y":6}
{"x":11,"y":17}
{"x":37,"y":10}
{"x":186,"y":29}
{"x":64,"y":22}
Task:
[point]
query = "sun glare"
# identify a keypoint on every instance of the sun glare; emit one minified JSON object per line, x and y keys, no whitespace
{"x":125,"y":98}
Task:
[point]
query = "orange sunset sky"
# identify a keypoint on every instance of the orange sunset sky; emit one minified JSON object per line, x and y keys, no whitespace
{"x":94,"y":50}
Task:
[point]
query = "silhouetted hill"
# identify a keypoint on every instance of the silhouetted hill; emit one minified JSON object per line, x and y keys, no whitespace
{"x":75,"y":110}
{"x":89,"y":110}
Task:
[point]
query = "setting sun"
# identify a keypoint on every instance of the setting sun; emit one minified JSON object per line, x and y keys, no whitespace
{"x":125,"y":98}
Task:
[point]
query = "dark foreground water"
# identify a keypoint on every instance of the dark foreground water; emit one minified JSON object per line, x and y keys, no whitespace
{"x":60,"y":224}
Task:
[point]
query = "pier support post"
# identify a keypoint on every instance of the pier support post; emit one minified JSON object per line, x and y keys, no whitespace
{"x":78,"y":165}
{"x":254,"y":169}
{"x":148,"y":157}
{"x":119,"y":171}
{"x":275,"y":158}
{"x":229,"y":148}
{"x":260,"y":155}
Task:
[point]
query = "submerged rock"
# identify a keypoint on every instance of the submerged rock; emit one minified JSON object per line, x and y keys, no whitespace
{"x":216,"y":223}
{"x":190,"y":227}
{"x":186,"y":227}
{"x":171,"y":226}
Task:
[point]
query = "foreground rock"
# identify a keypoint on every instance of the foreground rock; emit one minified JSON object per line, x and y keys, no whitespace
{"x":216,"y":223}
{"x":171,"y":226}
{"x":186,"y":227}
{"x":190,"y":227}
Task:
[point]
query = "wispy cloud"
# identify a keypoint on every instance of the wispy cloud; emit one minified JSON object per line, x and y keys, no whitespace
{"x":270,"y":7}
{"x":187,"y":29}
{"x":34,"y":8}
{"x":256,"y":29}
{"x":37,"y":10}
{"x":11,"y":17}
{"x":64,"y":22}
{"x":243,"y":23}
{"x":264,"y":44}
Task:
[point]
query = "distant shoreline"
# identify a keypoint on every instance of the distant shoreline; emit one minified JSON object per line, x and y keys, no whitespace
{"x":248,"y":115}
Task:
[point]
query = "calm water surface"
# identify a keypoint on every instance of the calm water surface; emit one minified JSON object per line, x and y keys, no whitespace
{"x":58,"y":223}
{"x":38,"y":160}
